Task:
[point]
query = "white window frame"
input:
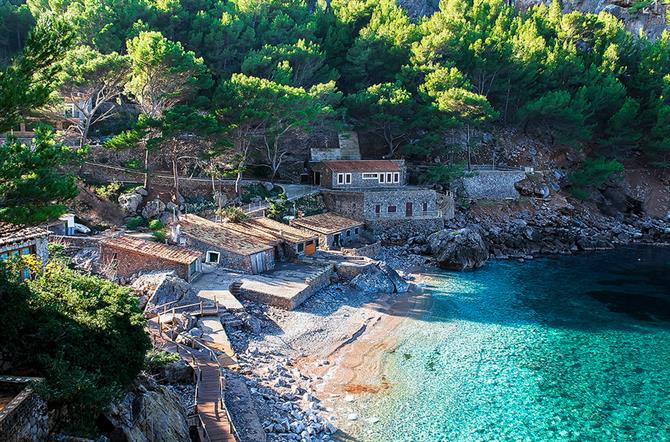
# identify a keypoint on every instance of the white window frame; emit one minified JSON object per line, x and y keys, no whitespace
{"x":396,"y":177}
{"x":343,"y":179}
{"x":389,"y":177}
{"x":382,"y":178}
{"x":370,"y":176}
{"x":209,"y":261}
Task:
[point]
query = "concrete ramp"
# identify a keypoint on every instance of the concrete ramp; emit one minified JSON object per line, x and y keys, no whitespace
{"x":214,"y":335}
{"x":225,"y":299}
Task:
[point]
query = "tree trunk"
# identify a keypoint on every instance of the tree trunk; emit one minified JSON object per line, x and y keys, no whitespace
{"x":146,"y":167}
{"x":175,"y":175}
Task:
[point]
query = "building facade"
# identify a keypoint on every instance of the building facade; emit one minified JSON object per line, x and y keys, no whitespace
{"x":361,"y":174}
{"x":130,"y":256}
{"x":19,"y":241}
{"x":224,"y":246}
{"x":334,"y":231}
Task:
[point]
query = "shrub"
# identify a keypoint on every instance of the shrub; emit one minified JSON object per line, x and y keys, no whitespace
{"x":87,"y":336}
{"x":279,"y":208}
{"x":109,"y":191}
{"x":232,"y":214}
{"x":157,"y":359}
{"x":159,"y":236}
{"x":592,"y":174}
{"x":135,"y":222}
{"x":155,"y":225}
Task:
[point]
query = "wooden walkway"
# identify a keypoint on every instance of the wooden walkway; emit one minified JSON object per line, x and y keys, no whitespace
{"x":215,"y":424}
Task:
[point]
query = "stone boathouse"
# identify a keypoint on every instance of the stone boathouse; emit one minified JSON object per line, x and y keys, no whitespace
{"x":129,"y":256}
{"x":334,"y":231}
{"x":224,"y":246}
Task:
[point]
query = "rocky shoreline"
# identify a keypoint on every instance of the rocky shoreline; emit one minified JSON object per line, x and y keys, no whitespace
{"x":541,"y":228}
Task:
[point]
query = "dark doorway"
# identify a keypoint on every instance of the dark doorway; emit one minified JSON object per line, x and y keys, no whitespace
{"x":317,"y":178}
{"x":408,"y":210}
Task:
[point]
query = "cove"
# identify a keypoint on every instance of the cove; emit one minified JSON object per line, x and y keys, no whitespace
{"x":558,"y":348}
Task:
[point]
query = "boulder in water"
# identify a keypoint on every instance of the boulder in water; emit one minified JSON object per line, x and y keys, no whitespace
{"x":460,"y":249}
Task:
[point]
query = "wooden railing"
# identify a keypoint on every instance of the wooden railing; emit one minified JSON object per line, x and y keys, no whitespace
{"x":198,"y":377}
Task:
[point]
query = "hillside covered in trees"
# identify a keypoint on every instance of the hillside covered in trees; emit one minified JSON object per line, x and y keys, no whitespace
{"x":218,"y":83}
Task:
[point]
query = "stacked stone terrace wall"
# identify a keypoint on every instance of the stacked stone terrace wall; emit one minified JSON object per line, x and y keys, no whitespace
{"x":25,"y":417}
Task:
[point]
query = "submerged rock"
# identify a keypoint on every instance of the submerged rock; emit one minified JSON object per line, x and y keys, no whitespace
{"x":460,"y":249}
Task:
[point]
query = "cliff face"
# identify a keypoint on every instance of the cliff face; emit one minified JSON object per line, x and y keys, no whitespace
{"x":651,"y":20}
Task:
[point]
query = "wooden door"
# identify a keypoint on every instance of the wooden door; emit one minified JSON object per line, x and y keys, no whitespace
{"x":408,"y":210}
{"x":310,"y":248}
{"x":258,"y":264}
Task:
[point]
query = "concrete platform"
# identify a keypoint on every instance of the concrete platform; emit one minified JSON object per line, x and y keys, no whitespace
{"x":215,"y":336}
{"x":288,"y":286}
{"x":225,"y":299}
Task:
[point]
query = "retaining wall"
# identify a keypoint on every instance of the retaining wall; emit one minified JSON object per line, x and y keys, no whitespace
{"x":404,"y":228}
{"x":492,"y":184}
{"x":25,"y":417}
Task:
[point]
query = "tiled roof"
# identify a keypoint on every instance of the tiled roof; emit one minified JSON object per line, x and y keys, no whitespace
{"x":326,"y":223}
{"x":177,"y":254}
{"x":363,"y":166}
{"x":217,"y":235}
{"x":10,"y":233}
{"x":277,"y":230}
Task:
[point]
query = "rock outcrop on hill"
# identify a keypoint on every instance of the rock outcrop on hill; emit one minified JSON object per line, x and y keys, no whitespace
{"x":149,"y":413}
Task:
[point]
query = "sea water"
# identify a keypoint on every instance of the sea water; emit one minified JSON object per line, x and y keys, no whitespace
{"x":568,"y":348}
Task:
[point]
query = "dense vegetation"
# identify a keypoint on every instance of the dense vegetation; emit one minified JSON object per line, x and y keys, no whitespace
{"x":225,"y":81}
{"x":83,"y":334}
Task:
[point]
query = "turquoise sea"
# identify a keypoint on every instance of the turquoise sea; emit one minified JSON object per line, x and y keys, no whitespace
{"x":568,"y":348}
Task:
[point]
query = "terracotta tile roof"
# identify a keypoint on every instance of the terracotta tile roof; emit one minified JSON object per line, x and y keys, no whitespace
{"x":363,"y":166}
{"x":326,"y":223}
{"x":218,"y":235}
{"x":277,"y":230}
{"x":10,"y":233}
{"x":176,"y":254}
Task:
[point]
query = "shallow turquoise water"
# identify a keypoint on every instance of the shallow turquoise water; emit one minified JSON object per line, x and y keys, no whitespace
{"x":564,"y":348}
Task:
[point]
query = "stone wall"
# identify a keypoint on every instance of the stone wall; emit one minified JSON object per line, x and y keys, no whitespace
{"x":492,"y":184}
{"x":368,"y":250}
{"x":399,"y":199}
{"x":349,"y":204}
{"x":230,"y":259}
{"x":127,"y":263}
{"x":25,"y":418}
{"x":397,"y":229}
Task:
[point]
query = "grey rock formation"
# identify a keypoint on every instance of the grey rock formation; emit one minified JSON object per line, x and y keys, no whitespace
{"x":153,"y":209}
{"x":149,"y":413}
{"x":129,"y":202}
{"x":178,"y":372}
{"x":460,"y":249}
{"x":373,"y":281}
{"x":161,"y":288}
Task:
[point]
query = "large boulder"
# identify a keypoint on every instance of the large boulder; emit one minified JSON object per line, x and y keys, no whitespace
{"x":129,"y":202}
{"x":149,"y":413}
{"x":153,"y":209}
{"x":373,"y":281}
{"x":460,"y":249}
{"x":401,"y":286}
{"x":160,"y":288}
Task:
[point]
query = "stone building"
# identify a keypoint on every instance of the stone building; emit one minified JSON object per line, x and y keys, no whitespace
{"x":17,"y":241}
{"x":293,"y":242}
{"x":334,"y":231}
{"x":347,"y":149}
{"x":374,"y":191}
{"x":129,"y":256}
{"x":361,"y":174}
{"x":225,"y":246}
